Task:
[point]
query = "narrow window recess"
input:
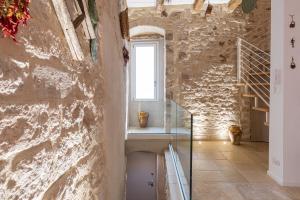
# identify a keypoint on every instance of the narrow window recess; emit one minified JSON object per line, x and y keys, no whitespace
{"x":145,"y":71}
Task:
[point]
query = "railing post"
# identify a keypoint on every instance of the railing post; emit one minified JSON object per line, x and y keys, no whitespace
{"x":267,"y":117}
{"x":239,"y":59}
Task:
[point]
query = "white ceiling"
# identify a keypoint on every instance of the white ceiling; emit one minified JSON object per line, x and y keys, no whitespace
{"x":152,"y":3}
{"x":141,"y":3}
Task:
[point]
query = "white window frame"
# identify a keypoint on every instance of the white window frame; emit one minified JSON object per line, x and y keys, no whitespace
{"x":134,"y":44}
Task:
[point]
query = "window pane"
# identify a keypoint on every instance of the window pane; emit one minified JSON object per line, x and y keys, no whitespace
{"x":145,"y":72}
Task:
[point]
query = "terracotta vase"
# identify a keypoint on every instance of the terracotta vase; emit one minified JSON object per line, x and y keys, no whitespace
{"x":235,"y":134}
{"x":143,"y":119}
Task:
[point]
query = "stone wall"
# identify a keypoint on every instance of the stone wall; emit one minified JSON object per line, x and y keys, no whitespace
{"x":52,"y":143}
{"x":201,"y":61}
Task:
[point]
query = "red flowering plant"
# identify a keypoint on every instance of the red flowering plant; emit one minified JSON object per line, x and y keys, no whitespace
{"x":12,"y":13}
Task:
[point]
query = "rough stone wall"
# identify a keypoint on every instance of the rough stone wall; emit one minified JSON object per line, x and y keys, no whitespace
{"x":51,"y":113}
{"x":201,"y":61}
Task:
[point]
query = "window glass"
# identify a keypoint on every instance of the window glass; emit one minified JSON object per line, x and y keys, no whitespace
{"x":145,"y":72}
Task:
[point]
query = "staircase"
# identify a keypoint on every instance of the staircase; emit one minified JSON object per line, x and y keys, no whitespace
{"x":253,"y":74}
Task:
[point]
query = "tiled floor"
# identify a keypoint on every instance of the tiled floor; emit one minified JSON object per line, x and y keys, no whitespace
{"x":222,"y":171}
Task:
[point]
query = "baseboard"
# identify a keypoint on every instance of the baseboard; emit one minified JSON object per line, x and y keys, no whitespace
{"x":281,"y":182}
{"x":275,"y":178}
{"x":291,"y":184}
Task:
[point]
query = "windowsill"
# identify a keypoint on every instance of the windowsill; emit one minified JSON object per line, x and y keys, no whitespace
{"x":157,"y":130}
{"x":147,"y":130}
{"x":156,"y":133}
{"x":148,"y":133}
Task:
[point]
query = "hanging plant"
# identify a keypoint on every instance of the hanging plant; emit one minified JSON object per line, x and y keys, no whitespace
{"x":248,"y":5}
{"x":13,"y":13}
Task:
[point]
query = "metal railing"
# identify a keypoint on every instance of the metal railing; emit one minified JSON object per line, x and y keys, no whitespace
{"x":260,"y":35}
{"x":254,"y":69}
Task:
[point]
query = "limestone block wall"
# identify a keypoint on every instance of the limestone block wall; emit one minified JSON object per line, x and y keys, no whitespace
{"x":201,"y":61}
{"x":52,"y":143}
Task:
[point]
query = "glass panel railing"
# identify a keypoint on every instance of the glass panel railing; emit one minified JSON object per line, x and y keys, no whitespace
{"x":181,"y":126}
{"x":169,"y":121}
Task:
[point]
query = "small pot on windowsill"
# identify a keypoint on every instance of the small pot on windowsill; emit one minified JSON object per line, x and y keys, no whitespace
{"x":143,"y":119}
{"x":235,"y":134}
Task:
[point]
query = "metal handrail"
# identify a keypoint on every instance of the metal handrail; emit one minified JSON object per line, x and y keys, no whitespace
{"x":255,"y":47}
{"x":257,"y":54}
{"x":262,"y":94}
{"x":256,"y":84}
{"x":256,"y":60}
{"x":253,"y":69}
{"x":254,"y":77}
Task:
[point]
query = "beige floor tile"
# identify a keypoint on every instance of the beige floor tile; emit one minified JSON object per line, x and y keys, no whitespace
{"x":237,"y":157}
{"x":249,"y":167}
{"x":207,"y":176}
{"x":233,"y":177}
{"x":262,"y":192}
{"x":224,"y":165}
{"x":219,"y":191}
{"x":209,"y":156}
{"x":218,"y":176}
{"x":206,"y":165}
{"x":256,"y":176}
{"x":293,"y":192}
{"x":222,"y":171}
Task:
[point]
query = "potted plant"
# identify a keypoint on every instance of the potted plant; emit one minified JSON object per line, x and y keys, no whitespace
{"x":13,"y":13}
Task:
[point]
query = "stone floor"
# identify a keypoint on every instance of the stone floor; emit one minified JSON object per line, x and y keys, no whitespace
{"x":222,"y":171}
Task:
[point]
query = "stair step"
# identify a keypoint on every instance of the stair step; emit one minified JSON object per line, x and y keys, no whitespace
{"x":252,"y":84}
{"x":249,"y":95}
{"x":260,"y":84}
{"x":261,"y":109}
{"x":260,"y":73}
{"x":262,"y":52}
{"x":241,"y":84}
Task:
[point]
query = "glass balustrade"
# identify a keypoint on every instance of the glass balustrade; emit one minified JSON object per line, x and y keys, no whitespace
{"x":181,"y":146}
{"x":169,"y":121}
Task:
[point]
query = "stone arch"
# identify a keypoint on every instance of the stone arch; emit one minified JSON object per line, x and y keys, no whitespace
{"x":143,"y":29}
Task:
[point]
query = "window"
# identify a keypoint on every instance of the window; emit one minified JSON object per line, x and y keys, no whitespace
{"x":144,"y":71}
{"x":71,"y":14}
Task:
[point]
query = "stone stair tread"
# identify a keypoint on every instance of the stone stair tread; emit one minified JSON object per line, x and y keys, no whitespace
{"x":253,"y":84}
{"x":249,"y":95}
{"x":261,"y":109}
{"x":260,"y":73}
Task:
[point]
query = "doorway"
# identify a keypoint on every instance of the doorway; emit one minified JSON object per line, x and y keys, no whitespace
{"x":141,"y":176}
{"x":259,"y":131}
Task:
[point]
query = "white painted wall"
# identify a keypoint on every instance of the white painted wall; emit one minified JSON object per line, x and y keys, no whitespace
{"x":285,"y":96}
{"x":292,"y":100}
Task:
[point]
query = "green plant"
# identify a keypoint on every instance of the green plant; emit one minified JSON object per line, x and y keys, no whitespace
{"x":248,"y":5}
